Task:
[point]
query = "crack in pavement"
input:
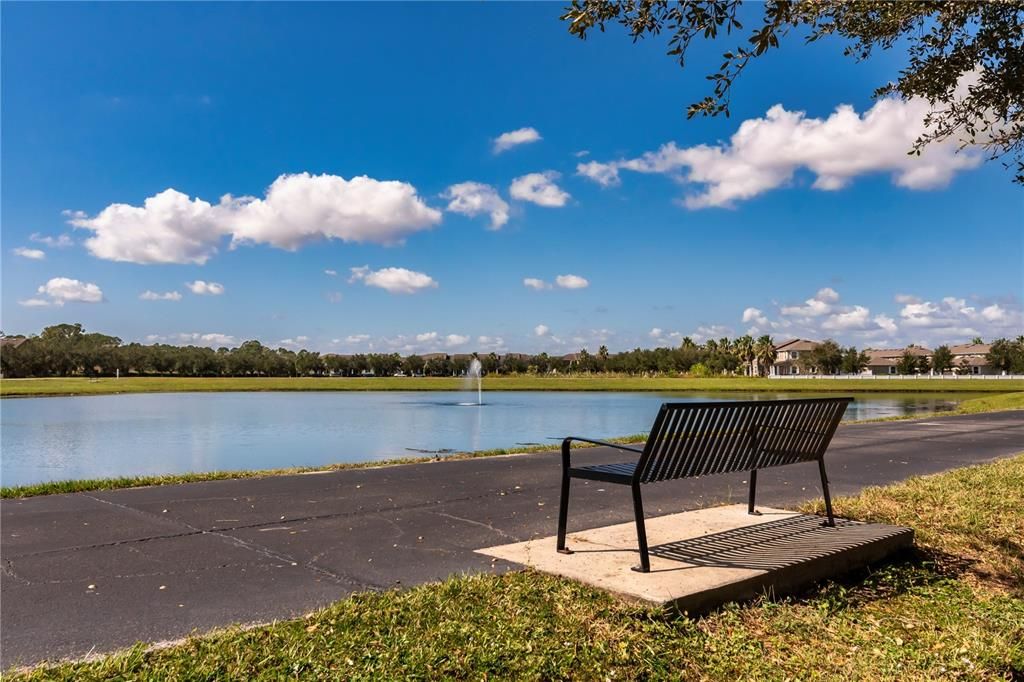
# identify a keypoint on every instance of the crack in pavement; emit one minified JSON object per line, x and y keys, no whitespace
{"x":488,"y":526}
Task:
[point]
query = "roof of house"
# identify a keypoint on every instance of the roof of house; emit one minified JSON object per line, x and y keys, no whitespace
{"x":434,"y":356}
{"x":12,"y":341}
{"x":918,"y":351}
{"x":797,"y":344}
{"x":970,"y":348}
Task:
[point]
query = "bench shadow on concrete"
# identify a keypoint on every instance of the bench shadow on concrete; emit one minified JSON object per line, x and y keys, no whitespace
{"x":771,"y":545}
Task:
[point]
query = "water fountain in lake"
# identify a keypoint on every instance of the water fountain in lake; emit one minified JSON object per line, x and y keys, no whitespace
{"x":474,"y":371}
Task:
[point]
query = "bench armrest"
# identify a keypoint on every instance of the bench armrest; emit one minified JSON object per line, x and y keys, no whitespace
{"x":566,"y":444}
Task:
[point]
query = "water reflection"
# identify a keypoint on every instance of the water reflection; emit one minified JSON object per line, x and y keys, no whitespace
{"x":45,"y":439}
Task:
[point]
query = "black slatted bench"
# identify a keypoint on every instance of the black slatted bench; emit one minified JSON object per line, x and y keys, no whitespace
{"x":689,"y":440}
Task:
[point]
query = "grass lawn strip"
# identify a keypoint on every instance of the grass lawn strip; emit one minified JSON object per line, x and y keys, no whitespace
{"x":83,"y":386}
{"x":953,"y":609}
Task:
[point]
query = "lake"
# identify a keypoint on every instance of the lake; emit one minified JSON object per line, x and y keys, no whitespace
{"x":49,"y":439}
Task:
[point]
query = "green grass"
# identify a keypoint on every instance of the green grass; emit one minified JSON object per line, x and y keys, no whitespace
{"x":82,"y":386}
{"x":992,"y":403}
{"x":953,"y":609}
{"x":1008,"y":401}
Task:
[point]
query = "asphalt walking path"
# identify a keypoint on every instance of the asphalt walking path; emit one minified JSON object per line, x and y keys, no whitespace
{"x":94,"y":572}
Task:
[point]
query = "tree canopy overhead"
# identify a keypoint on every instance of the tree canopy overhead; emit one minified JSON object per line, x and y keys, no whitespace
{"x":965,"y":58}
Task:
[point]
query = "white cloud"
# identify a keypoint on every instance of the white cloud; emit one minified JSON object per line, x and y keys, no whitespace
{"x":765,"y":153}
{"x":154,"y":296}
{"x":427,"y":337}
{"x":656,"y":333}
{"x":61,"y":290}
{"x":491,"y":343}
{"x":886,"y":324}
{"x":541,"y":330}
{"x":604,"y":174}
{"x":857,"y":317}
{"x":32,"y":254}
{"x":453,"y":340}
{"x":357,"y":338}
{"x":714,"y":331}
{"x":170,"y":227}
{"x":297,"y":342}
{"x":827,"y":294}
{"x":819,"y":304}
{"x":581,"y":153}
{"x":756,"y":316}
{"x":394,"y":280}
{"x":61,"y":242}
{"x":537,"y":284}
{"x":906,"y":298}
{"x":205,"y":288}
{"x":358,"y":273}
{"x":540,"y":189}
{"x":513,"y":138}
{"x":334,"y":296}
{"x":473,"y":198}
{"x":35,"y":303}
{"x":571,"y":282}
{"x":331,"y":273}
{"x":213,"y":340}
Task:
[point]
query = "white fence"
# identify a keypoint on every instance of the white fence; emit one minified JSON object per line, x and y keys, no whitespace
{"x":899,"y":377}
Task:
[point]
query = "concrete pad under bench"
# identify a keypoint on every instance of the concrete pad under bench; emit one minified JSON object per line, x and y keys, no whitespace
{"x":701,"y":559}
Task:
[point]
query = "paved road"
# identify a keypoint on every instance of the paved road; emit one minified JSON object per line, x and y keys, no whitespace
{"x":93,"y":572}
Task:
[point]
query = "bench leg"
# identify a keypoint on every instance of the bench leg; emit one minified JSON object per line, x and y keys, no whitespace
{"x":563,"y":513}
{"x":753,"y":488}
{"x":828,"y":499}
{"x":641,"y":532}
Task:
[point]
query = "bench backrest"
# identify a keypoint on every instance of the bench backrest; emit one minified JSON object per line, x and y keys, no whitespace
{"x":699,"y":439}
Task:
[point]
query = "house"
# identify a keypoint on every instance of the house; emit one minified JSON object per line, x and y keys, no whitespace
{"x":969,"y":358}
{"x":886,"y":360}
{"x":787,"y":357}
{"x":12,"y":341}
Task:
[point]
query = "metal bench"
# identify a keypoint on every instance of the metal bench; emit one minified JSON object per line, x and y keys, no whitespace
{"x":689,"y":440}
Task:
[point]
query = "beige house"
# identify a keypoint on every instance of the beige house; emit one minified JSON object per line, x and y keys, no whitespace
{"x":969,"y":358}
{"x":787,"y":358}
{"x":885,"y":360}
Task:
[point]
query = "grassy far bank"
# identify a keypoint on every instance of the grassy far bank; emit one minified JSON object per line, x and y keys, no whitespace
{"x":84,"y":386}
{"x":952,"y":609}
{"x":996,"y":403}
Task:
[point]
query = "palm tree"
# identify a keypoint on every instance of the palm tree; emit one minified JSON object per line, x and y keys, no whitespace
{"x":745,"y":352}
{"x":765,"y":353}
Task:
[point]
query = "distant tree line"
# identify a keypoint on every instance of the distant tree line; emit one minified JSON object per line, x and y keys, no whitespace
{"x":68,"y":350}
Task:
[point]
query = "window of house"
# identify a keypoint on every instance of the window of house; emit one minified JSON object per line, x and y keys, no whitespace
{"x":892,"y":370}
{"x":794,"y":370}
{"x":794,"y":355}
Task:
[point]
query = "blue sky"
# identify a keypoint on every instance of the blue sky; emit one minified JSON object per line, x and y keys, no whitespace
{"x":811,"y":224}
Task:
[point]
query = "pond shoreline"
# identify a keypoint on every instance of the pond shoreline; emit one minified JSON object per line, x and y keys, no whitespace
{"x":1010,"y":402}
